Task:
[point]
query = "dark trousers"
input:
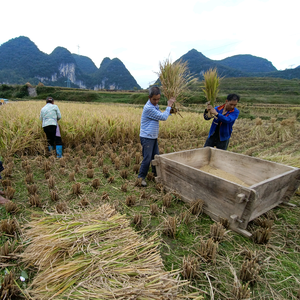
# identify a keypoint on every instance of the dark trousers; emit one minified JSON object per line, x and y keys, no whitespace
{"x":150,"y":149}
{"x":52,"y":139}
{"x":214,"y":140}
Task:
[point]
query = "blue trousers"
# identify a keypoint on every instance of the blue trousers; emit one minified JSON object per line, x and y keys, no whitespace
{"x":214,"y":140}
{"x":150,"y":149}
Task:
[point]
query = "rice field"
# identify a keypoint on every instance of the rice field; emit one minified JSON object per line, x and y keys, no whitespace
{"x":82,"y":227}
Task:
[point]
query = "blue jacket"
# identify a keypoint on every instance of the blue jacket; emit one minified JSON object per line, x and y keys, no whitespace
{"x":226,"y":121}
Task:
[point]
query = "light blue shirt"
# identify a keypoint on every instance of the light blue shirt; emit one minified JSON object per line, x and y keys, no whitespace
{"x":50,"y":114}
{"x":150,"y":120}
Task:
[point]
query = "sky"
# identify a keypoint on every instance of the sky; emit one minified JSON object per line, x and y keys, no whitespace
{"x":142,"y":33}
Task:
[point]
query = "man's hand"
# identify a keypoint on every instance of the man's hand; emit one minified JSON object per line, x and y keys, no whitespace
{"x":212,"y":110}
{"x":171,"y":101}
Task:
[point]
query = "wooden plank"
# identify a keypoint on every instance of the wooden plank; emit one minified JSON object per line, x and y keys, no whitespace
{"x":274,"y":191}
{"x":251,"y":170}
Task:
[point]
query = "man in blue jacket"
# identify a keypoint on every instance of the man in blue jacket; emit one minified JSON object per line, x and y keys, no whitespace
{"x":224,"y":117}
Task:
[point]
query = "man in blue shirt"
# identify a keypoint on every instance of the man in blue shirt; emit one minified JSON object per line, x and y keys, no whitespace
{"x":224,"y":117}
{"x":149,"y":130}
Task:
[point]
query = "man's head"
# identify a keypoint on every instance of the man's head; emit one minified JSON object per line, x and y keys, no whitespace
{"x":49,"y":100}
{"x":231,"y":101}
{"x":154,"y":95}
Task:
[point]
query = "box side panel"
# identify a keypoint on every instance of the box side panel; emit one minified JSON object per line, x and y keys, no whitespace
{"x":250,"y":170}
{"x":275,"y":191}
{"x":222,"y":198}
{"x":196,"y":158}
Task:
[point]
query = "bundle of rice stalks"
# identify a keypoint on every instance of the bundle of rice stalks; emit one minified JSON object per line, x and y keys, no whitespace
{"x":51,"y":182}
{"x":95,"y":253}
{"x":9,"y":192}
{"x":54,"y":195}
{"x":185,"y":217}
{"x":100,"y":154}
{"x":47,"y":175}
{"x":225,"y":222}
{"x":80,"y":153}
{"x":100,"y":162}
{"x":29,"y":178}
{"x":90,"y":165}
{"x":105,"y":196}
{"x":7,"y":172}
{"x":143,"y":195}
{"x":197,"y":207}
{"x":105,"y":171}
{"x":6,"y":183}
{"x":137,"y":220}
{"x":62,"y":162}
{"x":174,"y":78}
{"x":263,"y":222}
{"x":217,"y":232}
{"x":138,"y":158}
{"x":136,"y":168}
{"x":27,"y":169}
{"x":47,"y":166}
{"x":96,"y":183}
{"x":62,"y":171}
{"x":127,"y":160}
{"x":150,"y":176}
{"x":208,"y":250}
{"x":211,"y":85}
{"x":167,"y":200}
{"x":84,"y":202}
{"x":11,"y":207}
{"x":159,"y":187}
{"x":7,"y":250}
{"x":32,"y":189}
{"x":9,"y":289}
{"x":117,"y":163}
{"x":190,"y":266}
{"x":138,"y":182}
{"x":249,"y":271}
{"x":124,"y":173}
{"x":9,"y":226}
{"x":76,"y":188}
{"x":77,"y":161}
{"x":262,"y":235}
{"x":35,"y":201}
{"x":72,"y":176}
{"x":170,"y":226}
{"x":130,"y":200}
{"x":76,"y":169}
{"x":124,"y":187}
{"x":25,"y":163}
{"x":111,"y":179}
{"x":61,"y":207}
{"x":90,"y":173}
{"x":154,"y":209}
{"x":240,"y":291}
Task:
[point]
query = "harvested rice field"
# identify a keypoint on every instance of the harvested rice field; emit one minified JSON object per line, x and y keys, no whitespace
{"x":82,"y":227}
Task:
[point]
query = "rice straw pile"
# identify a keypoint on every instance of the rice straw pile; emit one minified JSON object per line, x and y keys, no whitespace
{"x":95,"y":255}
{"x":174,"y":78}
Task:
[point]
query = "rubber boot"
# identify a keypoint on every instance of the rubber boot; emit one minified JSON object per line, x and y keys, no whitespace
{"x":50,"y":148}
{"x":59,"y":149}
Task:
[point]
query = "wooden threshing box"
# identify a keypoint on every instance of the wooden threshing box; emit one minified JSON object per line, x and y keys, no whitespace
{"x":261,"y":185}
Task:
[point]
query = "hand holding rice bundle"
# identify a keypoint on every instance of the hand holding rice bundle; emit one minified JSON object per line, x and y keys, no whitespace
{"x":174,"y":78}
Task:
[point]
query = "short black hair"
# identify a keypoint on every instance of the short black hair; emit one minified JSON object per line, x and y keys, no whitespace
{"x":233,"y":97}
{"x":153,"y":91}
{"x":49,"y":100}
